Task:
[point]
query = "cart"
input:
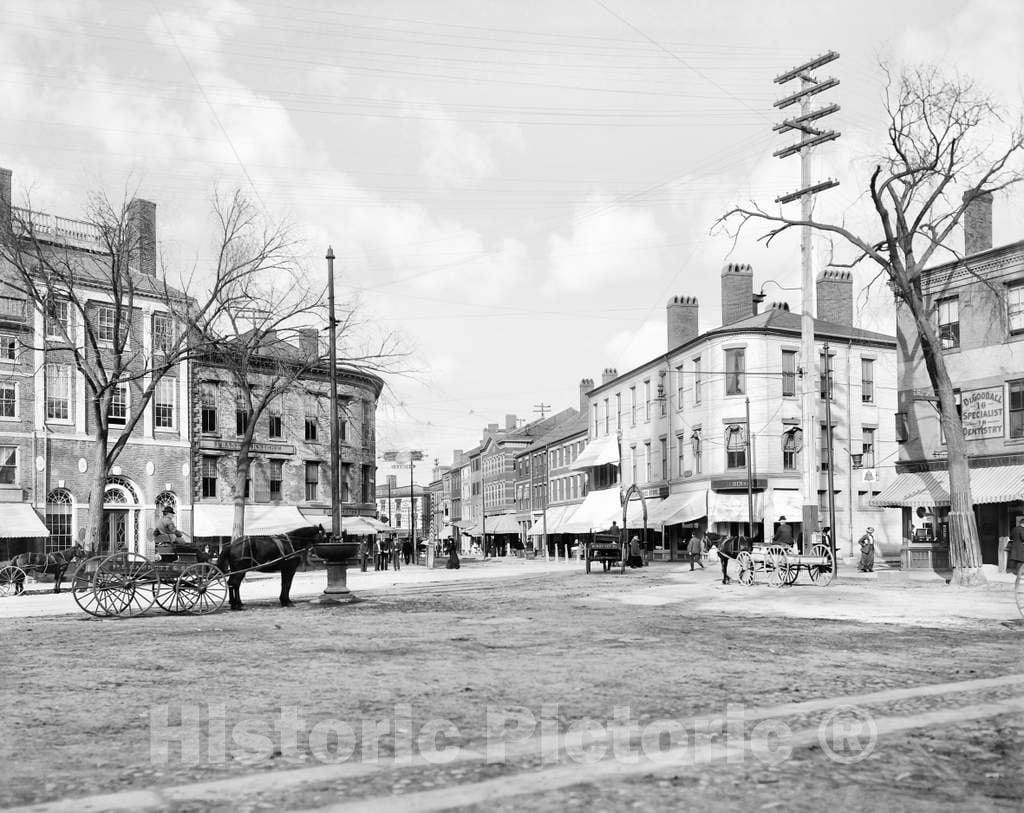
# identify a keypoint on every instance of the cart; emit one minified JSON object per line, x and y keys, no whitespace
{"x":11,"y":576}
{"x":128,"y":584}
{"x":782,"y":567}
{"x":608,"y":549}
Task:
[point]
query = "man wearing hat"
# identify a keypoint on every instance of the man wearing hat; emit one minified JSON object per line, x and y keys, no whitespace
{"x":166,"y":535}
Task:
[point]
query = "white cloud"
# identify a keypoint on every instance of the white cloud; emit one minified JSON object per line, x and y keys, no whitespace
{"x":454,"y":155}
{"x":627,"y":349}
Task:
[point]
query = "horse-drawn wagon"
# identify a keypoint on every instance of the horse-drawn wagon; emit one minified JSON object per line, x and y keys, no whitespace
{"x":608,"y":549}
{"x":782,"y":567}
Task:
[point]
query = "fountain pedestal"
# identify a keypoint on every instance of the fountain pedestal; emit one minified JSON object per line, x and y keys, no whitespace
{"x":338,"y":555}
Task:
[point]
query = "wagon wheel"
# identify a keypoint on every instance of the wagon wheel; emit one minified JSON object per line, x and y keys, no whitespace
{"x":746,"y":565}
{"x":202,"y":588}
{"x":776,"y":566}
{"x":120,"y":584}
{"x":167,"y":595}
{"x":822,"y":574}
{"x":10,"y":577}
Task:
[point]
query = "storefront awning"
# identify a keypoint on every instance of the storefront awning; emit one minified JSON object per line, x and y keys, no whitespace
{"x":677,"y":508}
{"x":732,"y":506}
{"x":598,"y":452}
{"x":991,"y":484}
{"x":356,"y":526}
{"x":595,"y":513}
{"x":18,"y":519}
{"x":216,"y":520}
{"x":786,"y":502}
{"x":474,"y":531}
{"x":502,"y":524}
{"x":556,"y":518}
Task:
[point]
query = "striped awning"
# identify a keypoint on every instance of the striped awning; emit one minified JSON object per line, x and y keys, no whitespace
{"x":679,"y":508}
{"x":599,"y":452}
{"x":991,"y":484}
{"x":557,"y":515}
{"x":502,"y":524}
{"x":18,"y":520}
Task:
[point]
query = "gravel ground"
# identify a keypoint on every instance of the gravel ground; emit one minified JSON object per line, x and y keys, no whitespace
{"x":82,"y":695}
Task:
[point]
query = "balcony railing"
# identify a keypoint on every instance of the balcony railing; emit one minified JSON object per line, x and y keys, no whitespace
{"x":55,"y":229}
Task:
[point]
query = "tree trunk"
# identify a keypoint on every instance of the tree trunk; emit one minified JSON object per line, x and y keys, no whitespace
{"x":94,"y":522}
{"x":241,"y":475}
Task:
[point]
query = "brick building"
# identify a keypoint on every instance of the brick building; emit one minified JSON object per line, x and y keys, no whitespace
{"x":978,"y":303}
{"x":47,"y":448}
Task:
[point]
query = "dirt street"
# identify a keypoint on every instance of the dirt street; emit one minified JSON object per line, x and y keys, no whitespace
{"x":539,"y":688}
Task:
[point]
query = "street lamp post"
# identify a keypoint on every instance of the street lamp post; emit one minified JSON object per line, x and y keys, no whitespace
{"x":338,"y":552}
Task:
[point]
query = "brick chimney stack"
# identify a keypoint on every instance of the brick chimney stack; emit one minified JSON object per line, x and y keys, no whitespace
{"x":609,"y":374}
{"x":5,"y":194}
{"x":309,"y":342}
{"x":681,"y":317}
{"x":737,"y":292}
{"x":142,"y":223}
{"x":834,"y":293}
{"x":586,"y":385}
{"x":977,"y":223}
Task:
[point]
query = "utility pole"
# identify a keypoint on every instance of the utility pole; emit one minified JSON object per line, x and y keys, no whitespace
{"x":750,"y":478}
{"x":541,"y":409}
{"x":810,"y":137}
{"x":831,"y":458}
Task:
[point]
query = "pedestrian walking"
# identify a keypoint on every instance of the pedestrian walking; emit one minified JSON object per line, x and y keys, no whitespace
{"x":695,"y":549}
{"x":407,"y":551}
{"x":867,"y":552}
{"x":826,"y":536}
{"x":396,"y":556}
{"x":1015,"y":548}
{"x":635,"y":558}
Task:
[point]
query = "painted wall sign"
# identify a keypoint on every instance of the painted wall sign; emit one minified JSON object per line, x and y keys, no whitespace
{"x":982,"y":413}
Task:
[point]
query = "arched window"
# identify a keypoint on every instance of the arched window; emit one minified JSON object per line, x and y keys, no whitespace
{"x":58,"y":519}
{"x":736,"y":446}
{"x":166,"y":499}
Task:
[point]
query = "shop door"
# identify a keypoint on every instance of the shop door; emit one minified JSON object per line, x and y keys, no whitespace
{"x":988,"y":533}
{"x":116,"y":526}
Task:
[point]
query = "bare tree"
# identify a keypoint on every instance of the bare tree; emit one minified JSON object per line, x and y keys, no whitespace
{"x":90,"y":280}
{"x":941,"y":142}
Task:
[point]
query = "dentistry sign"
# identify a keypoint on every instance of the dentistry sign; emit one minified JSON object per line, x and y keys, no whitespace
{"x":982,"y":413}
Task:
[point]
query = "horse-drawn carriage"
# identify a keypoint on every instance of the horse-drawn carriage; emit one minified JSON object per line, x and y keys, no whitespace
{"x":54,"y":563}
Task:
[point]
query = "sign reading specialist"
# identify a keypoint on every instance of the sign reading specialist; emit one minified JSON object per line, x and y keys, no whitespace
{"x":983,"y":413}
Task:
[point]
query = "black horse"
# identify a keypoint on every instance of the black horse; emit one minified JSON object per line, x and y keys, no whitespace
{"x":267,"y":553}
{"x":54,"y":563}
{"x":728,"y":549}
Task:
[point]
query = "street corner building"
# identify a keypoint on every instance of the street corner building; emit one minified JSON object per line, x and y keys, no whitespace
{"x":179,"y":453}
{"x":978,"y":303}
{"x":675,"y":432}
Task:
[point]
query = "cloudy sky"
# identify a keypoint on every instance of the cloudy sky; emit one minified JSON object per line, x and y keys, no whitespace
{"x":516,"y":188}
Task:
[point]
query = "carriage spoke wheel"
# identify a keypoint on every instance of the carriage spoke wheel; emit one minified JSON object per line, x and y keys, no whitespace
{"x":202,"y":588}
{"x":121,"y":584}
{"x":821,"y":574}
{"x":776,"y":566}
{"x":168,"y":597}
{"x":10,"y":577}
{"x":746,"y":565}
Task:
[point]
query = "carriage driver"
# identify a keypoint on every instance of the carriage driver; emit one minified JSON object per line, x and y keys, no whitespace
{"x":166,"y":535}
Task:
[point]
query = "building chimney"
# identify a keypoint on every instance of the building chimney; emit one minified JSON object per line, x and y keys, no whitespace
{"x":5,"y":195}
{"x":491,"y":428}
{"x":977,"y":223}
{"x":586,"y":385}
{"x":779,"y":306}
{"x":510,"y":422}
{"x":457,"y":457}
{"x":309,"y":342}
{"x":681,"y":316}
{"x":834,"y":294}
{"x":392,"y":481}
{"x":737,"y":292}
{"x":142,"y":226}
{"x":609,"y":374}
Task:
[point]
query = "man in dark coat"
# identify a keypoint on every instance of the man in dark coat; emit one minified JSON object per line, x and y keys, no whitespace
{"x":783,"y":534}
{"x":1015,"y":549}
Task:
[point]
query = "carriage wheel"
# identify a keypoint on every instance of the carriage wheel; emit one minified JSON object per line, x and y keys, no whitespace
{"x":203,"y":588}
{"x":10,"y":576}
{"x":776,"y":566}
{"x":168,"y":597}
{"x":821,"y":575}
{"x":121,"y":584}
{"x":746,"y":565}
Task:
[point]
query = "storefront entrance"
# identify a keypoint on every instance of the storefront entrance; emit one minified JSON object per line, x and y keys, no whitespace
{"x":988,"y":531}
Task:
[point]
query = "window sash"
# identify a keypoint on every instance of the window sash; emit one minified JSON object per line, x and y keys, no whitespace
{"x":948,"y":322}
{"x":1015,"y":307}
{"x":735,"y":362}
{"x":788,"y":373}
{"x":8,"y":465}
{"x":867,"y":380}
{"x":117,"y":414}
{"x":163,"y":403}
{"x":58,"y":392}
{"x":1016,"y":409}
{"x":8,"y":400}
{"x":8,"y":348}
